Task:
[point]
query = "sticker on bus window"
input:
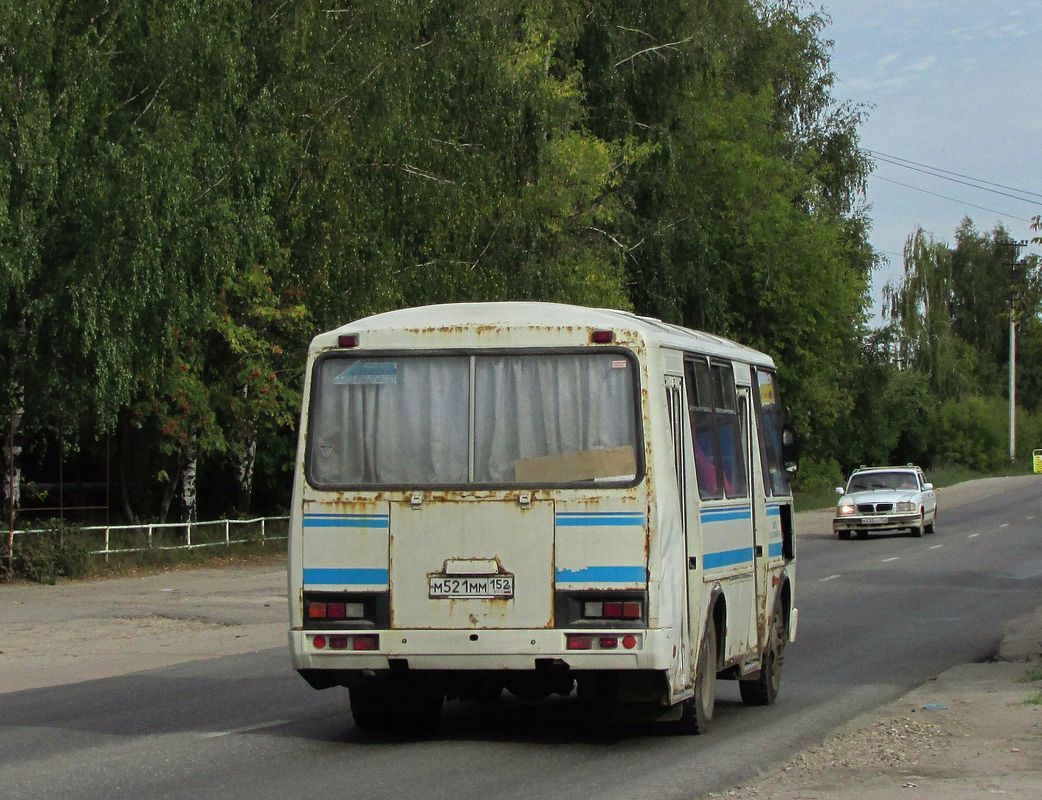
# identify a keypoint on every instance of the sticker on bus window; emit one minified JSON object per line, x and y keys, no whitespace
{"x":368,"y":373}
{"x":619,"y":363}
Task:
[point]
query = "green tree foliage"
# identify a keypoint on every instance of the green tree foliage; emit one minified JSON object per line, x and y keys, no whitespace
{"x":191,"y":190}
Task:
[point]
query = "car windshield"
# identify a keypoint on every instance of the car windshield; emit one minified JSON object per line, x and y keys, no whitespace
{"x":867,"y":481}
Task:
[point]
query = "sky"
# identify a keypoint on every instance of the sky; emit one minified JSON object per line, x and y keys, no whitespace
{"x":954,"y":86}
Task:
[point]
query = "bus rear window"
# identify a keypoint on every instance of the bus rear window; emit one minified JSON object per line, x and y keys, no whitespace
{"x":498,"y":419}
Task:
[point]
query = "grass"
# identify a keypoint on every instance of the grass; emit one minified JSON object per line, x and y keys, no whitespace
{"x":1032,"y":675}
{"x":1034,"y":699}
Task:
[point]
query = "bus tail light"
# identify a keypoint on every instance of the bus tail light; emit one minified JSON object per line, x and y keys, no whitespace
{"x":613,"y":609}
{"x":343,"y":641}
{"x":590,"y":641}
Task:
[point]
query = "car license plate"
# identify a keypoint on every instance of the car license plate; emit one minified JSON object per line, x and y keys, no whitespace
{"x":873,"y":520}
{"x":453,"y":586}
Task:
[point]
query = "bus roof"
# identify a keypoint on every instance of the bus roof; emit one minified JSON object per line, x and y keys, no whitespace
{"x":456,"y":316}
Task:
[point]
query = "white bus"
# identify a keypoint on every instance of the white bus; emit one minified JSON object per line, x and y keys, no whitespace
{"x":539,"y":497}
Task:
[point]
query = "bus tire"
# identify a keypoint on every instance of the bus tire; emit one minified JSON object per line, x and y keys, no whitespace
{"x":698,"y":711}
{"x":763,"y":690}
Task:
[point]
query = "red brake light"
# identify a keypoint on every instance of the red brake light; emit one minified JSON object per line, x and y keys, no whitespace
{"x":365,"y":642}
{"x":347,"y":340}
{"x":336,"y":610}
{"x":608,"y":642}
{"x":319,"y":642}
{"x":602,"y":337}
{"x":316,"y":610}
{"x":629,"y":641}
{"x":613,"y":609}
{"x":579,"y":642}
{"x":338,"y":642}
{"x":632,"y":610}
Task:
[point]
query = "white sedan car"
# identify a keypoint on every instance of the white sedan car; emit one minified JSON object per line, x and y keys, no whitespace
{"x":885,"y":498}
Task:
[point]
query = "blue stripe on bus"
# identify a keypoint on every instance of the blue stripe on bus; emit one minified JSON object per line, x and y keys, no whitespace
{"x":597,"y":519}
{"x":603,"y":574}
{"x":728,"y":558}
{"x":346,"y":521}
{"x":722,"y":514}
{"x":775,"y":549}
{"x":352,"y":576}
{"x":773,"y":511}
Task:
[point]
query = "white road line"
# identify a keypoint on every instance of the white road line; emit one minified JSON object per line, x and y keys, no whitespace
{"x":245,"y":729}
{"x":830,"y":578}
{"x":936,"y":546}
{"x":1030,"y":516}
{"x":1004,"y":525}
{"x":973,"y":536}
{"x":892,"y":558}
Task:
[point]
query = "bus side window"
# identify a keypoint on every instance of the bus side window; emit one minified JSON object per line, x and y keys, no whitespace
{"x":703,"y":430}
{"x":729,"y":431}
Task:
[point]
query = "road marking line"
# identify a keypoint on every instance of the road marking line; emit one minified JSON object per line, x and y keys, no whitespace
{"x":830,"y":578}
{"x":1030,"y":516}
{"x":245,"y":728}
{"x":1004,"y":525}
{"x":892,"y":558}
{"x":934,"y":547}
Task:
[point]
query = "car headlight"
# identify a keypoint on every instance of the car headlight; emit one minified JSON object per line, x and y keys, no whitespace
{"x":845,"y":509}
{"x":905,"y":506}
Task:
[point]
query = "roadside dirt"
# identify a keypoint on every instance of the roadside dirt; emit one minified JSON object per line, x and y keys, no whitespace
{"x":967,"y":733}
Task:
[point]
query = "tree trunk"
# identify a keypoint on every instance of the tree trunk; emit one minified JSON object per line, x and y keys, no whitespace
{"x":12,"y":473}
{"x":189,"y":504}
{"x":124,"y":486}
{"x":244,"y":474}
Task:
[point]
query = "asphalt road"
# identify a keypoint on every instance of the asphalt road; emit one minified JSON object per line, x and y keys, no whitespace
{"x":877,"y":617}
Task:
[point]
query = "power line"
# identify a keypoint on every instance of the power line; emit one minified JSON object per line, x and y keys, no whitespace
{"x":956,"y":180}
{"x":884,"y":156}
{"x":953,"y":199}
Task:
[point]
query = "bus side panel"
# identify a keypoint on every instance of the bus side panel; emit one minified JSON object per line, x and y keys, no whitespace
{"x":345,"y":546}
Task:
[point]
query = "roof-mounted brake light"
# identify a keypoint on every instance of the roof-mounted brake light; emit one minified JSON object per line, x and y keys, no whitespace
{"x":347,"y":340}
{"x":602,"y":337}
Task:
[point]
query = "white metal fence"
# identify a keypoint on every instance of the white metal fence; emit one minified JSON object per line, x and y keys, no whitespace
{"x":178,"y":535}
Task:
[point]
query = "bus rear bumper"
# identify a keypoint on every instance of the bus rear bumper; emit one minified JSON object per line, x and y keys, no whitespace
{"x":486,"y":650}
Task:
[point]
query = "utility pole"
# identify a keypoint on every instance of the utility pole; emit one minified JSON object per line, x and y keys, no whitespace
{"x":1013,"y":263}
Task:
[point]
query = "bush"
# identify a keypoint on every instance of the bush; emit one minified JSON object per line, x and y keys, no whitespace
{"x":817,"y":475}
{"x":57,"y":551}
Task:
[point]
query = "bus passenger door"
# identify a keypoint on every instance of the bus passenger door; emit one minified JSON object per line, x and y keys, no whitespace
{"x":756,"y":498}
{"x":688,"y":629}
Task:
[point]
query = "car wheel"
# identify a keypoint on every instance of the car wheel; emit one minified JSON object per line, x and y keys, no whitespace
{"x":843,"y":534}
{"x":933,"y":521}
{"x":862,"y":534}
{"x":917,"y":530}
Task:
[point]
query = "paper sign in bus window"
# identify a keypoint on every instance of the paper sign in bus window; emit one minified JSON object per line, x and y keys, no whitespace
{"x":368,"y":373}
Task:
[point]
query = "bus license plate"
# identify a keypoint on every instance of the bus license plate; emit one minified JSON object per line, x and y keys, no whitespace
{"x":471,"y":586}
{"x":874,"y":520}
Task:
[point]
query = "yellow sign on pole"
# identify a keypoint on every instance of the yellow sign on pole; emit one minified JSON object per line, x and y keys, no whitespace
{"x":1036,"y":458}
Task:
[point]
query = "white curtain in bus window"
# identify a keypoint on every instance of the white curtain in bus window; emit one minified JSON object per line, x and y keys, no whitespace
{"x":768,"y":405}
{"x":554,"y":418}
{"x":390,"y":421}
{"x":729,"y":430}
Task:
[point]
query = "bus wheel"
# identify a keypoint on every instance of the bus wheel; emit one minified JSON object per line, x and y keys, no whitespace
{"x":763,"y":690}
{"x":698,"y":711}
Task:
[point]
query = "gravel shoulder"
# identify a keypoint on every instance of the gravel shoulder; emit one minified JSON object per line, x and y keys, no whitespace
{"x":966,"y":733}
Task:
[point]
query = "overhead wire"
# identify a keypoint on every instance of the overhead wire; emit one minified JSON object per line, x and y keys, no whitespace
{"x":891,"y":159}
{"x":953,"y":199}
